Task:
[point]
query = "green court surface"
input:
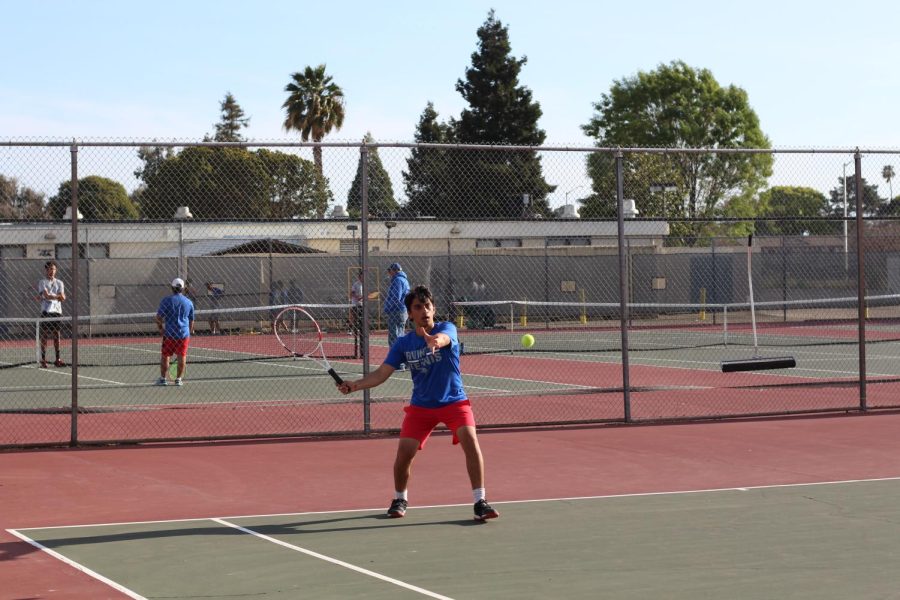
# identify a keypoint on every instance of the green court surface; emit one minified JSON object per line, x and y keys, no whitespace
{"x":797,"y":541}
{"x":216,"y":383}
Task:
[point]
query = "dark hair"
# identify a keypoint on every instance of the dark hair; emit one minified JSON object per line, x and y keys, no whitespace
{"x":420,"y":293}
{"x":51,"y":263}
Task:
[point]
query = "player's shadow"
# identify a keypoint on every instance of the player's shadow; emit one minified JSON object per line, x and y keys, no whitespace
{"x":321,"y":525}
{"x":330,"y":525}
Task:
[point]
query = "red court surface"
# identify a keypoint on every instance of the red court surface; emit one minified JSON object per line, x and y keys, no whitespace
{"x":181,"y":481}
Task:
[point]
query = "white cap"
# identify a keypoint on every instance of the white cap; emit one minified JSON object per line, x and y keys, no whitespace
{"x":178,"y":282}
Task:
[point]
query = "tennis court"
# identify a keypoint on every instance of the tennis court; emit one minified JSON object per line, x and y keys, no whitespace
{"x":757,"y":509}
{"x":244,"y":383}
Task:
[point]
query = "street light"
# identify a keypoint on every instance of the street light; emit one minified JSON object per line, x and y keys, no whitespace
{"x":577,"y":187}
{"x":663,"y":187}
{"x":389,"y":225}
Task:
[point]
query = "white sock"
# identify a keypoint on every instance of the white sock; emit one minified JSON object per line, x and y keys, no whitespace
{"x":478,"y":494}
{"x":400,"y":495}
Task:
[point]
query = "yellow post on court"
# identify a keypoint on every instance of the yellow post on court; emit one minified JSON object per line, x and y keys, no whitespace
{"x":523,"y":318}
{"x":702,"y":304}
{"x":583,"y":309}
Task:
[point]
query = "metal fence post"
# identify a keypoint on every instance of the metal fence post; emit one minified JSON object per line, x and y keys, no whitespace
{"x":623,"y":285}
{"x":860,"y":278}
{"x":364,"y":235}
{"x":73,"y":436}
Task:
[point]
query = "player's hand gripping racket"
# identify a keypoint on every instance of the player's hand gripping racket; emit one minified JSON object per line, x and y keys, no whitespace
{"x":300,"y":335}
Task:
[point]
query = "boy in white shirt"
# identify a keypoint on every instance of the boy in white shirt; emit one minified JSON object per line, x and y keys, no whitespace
{"x":52,"y":294}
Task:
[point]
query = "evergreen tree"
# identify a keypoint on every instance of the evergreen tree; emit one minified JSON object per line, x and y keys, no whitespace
{"x":493,"y":184}
{"x":426,"y":181}
{"x":381,"y":201}
{"x":228,"y":129}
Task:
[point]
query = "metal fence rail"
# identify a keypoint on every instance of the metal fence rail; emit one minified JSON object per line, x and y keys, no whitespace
{"x":627,"y":301}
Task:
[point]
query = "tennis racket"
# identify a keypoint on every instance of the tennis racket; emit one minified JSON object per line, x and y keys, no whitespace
{"x":298,"y":332}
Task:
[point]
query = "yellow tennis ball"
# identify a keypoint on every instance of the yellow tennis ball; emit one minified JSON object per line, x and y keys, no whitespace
{"x":527,"y":340}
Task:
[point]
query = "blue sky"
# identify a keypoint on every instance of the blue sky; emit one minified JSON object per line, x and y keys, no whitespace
{"x":820,"y":74}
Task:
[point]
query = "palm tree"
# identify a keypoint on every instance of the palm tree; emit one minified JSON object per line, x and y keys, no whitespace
{"x":314,"y":106}
{"x":888,"y":173}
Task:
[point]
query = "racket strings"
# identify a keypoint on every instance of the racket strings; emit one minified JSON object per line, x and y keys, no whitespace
{"x":298,"y":333}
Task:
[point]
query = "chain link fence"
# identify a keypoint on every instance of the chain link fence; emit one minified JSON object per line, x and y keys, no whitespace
{"x":628,"y":266}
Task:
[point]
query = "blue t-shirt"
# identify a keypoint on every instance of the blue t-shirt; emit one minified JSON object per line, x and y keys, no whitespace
{"x":436,"y":377}
{"x":178,"y":312}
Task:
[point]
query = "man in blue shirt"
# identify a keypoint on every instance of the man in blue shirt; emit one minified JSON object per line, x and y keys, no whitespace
{"x":432,"y":354}
{"x":394,"y":309}
{"x":175,"y":321}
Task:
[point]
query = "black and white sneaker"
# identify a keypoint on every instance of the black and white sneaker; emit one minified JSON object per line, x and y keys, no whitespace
{"x":398,"y":508}
{"x":484,"y":511}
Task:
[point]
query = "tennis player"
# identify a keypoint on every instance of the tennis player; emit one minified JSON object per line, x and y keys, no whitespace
{"x":432,"y":354}
{"x":52,"y":293}
{"x":175,"y":321}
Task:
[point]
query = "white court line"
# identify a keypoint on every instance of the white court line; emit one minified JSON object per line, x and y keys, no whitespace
{"x":225,"y":521}
{"x":335,"y":561}
{"x":80,"y":376}
{"x":469,"y":505}
{"x":79,"y":566}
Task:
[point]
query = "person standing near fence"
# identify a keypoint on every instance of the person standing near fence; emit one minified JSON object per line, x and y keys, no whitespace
{"x":293,"y":294}
{"x":357,"y":302}
{"x":52,"y":293}
{"x":215,"y":294}
{"x":175,"y":321}
{"x":394,"y":307}
{"x":438,"y":396}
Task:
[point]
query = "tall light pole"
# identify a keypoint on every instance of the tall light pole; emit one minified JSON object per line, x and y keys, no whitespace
{"x":664,"y":188}
{"x":577,"y":187}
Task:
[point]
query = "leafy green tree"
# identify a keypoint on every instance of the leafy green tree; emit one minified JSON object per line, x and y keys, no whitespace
{"x":314,"y":106}
{"x":427,"y":178}
{"x":19,"y":202}
{"x":676,"y":106}
{"x":872,"y":202}
{"x":295,"y":188}
{"x":228,"y":129}
{"x":649,"y":179}
{"x":500,"y":111}
{"x":784,"y":207}
{"x":99,"y":199}
{"x":216,"y":183}
{"x":381,"y":199}
{"x":151,"y":158}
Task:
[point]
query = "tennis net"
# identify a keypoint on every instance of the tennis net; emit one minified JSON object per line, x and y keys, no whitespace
{"x":244,"y":334}
{"x":497,"y":326}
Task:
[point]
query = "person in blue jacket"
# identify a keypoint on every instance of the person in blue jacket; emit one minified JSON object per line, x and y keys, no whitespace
{"x":394,"y":308}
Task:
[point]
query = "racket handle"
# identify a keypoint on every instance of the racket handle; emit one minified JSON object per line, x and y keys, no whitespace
{"x":335,"y":376}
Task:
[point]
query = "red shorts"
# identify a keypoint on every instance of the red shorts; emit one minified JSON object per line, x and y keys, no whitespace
{"x":420,"y":422}
{"x":172,"y":346}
